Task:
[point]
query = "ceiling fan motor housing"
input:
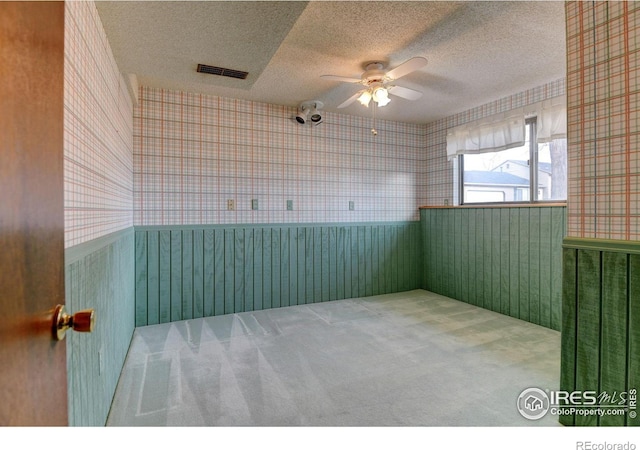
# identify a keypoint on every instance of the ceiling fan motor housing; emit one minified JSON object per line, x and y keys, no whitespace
{"x":374,"y":72}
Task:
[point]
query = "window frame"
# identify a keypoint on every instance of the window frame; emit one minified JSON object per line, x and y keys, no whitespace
{"x":533,"y":175}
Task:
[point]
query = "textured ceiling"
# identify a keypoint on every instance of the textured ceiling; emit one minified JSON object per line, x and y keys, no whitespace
{"x":477,"y":51}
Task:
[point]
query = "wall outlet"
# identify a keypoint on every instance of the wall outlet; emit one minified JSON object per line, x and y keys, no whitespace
{"x":352,"y":206}
{"x":254,"y":204}
{"x":231,"y":205}
{"x":289,"y":205}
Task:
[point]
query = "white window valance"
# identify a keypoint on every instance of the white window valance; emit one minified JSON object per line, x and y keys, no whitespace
{"x":507,"y":130}
{"x":551,"y":120}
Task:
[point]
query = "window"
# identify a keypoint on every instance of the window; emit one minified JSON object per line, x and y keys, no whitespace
{"x":531,"y":172}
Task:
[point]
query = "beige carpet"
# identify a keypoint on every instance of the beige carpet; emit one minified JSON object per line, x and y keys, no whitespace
{"x":406,"y":359}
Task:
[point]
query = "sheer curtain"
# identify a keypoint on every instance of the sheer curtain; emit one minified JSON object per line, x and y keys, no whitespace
{"x":507,"y":130}
{"x":552,"y":119}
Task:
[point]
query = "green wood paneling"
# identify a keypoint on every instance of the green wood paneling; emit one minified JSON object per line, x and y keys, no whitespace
{"x":333,"y":263}
{"x":600,"y":338}
{"x":568,"y":337}
{"x":457,"y":252}
{"x":613,"y":373}
{"x":100,"y":274}
{"x":346,"y":248}
{"x":218,"y":275}
{"x":375,"y":260}
{"x":353,"y":236}
{"x":317,"y":264}
{"x":393,"y":267}
{"x":208,"y":257}
{"x":266,"y":269}
{"x":229,"y":271}
{"x":193,"y":272}
{"x":493,"y":217}
{"x":164,"y":281}
{"x":284,"y":268}
{"x":504,"y":259}
{"x":198,"y":273}
{"x":387,"y":260}
{"x":431,"y":248}
{"x":472,"y":252}
{"x":558,"y":229}
{"x":276,"y":269}
{"x":524,"y":295}
{"x":481,"y":280}
{"x":187,"y":274}
{"x":514,"y":266}
{"x":142,"y":279}
{"x":238,"y":270}
{"x":248,"y":285}
{"x":301,"y":296}
{"x":367,"y":256}
{"x":325,"y":274}
{"x":340,"y":263}
{"x":465,"y":249}
{"x":258,"y":275}
{"x":544,"y":269}
{"x":309,"y":264}
{"x":153,"y":280}
{"x":488,"y":247}
{"x":588,"y":326}
{"x":535,"y":242}
{"x":176,"y":275}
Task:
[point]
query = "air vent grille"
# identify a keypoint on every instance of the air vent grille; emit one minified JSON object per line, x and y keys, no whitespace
{"x":231,"y":73}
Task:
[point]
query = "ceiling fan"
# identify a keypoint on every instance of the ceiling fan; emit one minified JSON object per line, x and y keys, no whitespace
{"x":378,"y":83}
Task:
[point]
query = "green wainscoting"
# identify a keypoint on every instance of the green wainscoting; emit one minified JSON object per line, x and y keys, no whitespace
{"x":601,"y":322}
{"x":186,"y":272}
{"x":99,"y":274}
{"x":506,"y":259}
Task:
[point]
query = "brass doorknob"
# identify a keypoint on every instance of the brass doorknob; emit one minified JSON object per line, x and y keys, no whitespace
{"x":82,"y":321}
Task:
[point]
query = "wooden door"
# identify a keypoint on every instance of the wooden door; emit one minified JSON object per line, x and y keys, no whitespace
{"x":33,"y":381}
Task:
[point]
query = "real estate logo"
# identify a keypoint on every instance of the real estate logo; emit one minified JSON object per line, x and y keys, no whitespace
{"x":535,"y":403}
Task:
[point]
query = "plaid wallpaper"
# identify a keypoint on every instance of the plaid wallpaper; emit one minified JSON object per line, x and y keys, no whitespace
{"x":98,"y":163}
{"x":193,"y":153}
{"x":442,"y":183}
{"x":603,"y":95}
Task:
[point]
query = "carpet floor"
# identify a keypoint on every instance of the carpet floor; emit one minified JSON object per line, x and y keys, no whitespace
{"x":407,"y":359}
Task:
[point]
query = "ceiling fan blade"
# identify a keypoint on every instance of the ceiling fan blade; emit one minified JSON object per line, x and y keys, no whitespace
{"x":404,"y":92}
{"x":339,"y":78}
{"x":407,"y":67}
{"x":350,"y":100}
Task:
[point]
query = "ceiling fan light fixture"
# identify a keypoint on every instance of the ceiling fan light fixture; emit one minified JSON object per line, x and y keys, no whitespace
{"x":365,"y":98}
{"x":381,"y":96}
{"x":375,"y":78}
{"x":384,"y":102}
